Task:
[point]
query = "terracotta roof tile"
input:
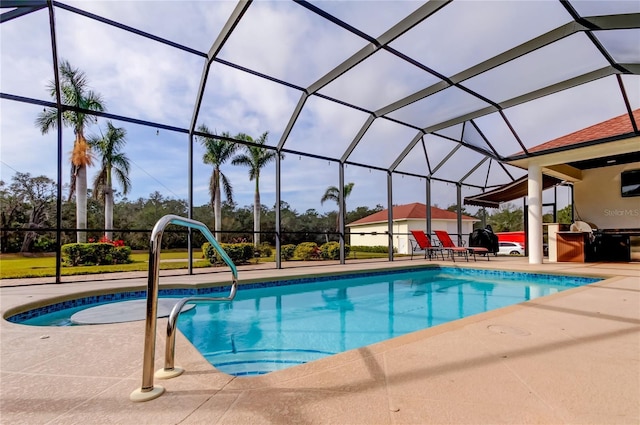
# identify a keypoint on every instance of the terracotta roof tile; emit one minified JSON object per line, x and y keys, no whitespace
{"x":613,"y":127}
{"x":408,"y":211}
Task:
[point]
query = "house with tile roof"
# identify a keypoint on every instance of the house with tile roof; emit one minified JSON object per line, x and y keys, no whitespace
{"x":373,"y":229}
{"x":613,"y":129}
{"x":602,"y":164}
{"x":595,"y":160}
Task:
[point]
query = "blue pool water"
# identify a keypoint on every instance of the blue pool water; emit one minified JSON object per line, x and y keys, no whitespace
{"x":275,"y":325}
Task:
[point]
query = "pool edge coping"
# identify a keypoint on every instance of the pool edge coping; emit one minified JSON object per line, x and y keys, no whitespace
{"x":142,"y":287}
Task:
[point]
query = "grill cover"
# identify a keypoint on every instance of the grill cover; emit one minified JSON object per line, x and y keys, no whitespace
{"x":484,"y":238}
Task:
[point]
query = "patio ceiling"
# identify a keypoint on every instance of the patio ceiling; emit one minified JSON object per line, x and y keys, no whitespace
{"x":439,"y":89}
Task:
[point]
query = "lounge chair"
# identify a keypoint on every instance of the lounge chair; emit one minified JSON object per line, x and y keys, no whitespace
{"x":423,"y":242}
{"x":447,"y":243}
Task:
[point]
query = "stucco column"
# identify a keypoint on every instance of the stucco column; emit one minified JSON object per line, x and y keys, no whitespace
{"x":535,"y":214}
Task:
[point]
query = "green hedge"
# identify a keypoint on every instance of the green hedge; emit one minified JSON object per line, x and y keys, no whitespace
{"x":240,"y":253}
{"x":380,"y":249}
{"x":306,"y":251}
{"x":93,"y":254}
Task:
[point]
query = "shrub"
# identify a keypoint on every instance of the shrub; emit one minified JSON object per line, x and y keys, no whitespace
{"x":90,"y":254}
{"x":307,"y":251}
{"x":331,"y":251}
{"x":287,"y":251}
{"x":239,"y":253}
{"x":73,"y":254}
{"x":380,"y":249}
{"x":120,"y":254}
{"x":265,"y":250}
{"x":205,"y":250}
{"x":44,"y":244}
{"x":248,"y":251}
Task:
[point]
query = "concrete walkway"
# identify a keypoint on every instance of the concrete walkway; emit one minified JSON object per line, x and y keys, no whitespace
{"x":569,"y":358}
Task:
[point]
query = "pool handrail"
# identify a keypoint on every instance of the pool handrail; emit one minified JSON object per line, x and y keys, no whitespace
{"x":148,"y":391}
{"x":170,"y":370}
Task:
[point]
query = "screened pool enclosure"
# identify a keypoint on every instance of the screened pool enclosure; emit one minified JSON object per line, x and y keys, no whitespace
{"x":410,"y":101}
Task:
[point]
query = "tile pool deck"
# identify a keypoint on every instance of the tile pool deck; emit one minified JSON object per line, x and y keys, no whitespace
{"x":570,"y":358}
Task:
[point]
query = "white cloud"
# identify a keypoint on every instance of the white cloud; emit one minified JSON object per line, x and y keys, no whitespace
{"x":26,"y":61}
{"x":373,"y":17}
{"x":378,"y":81}
{"x":468,"y":32}
{"x":569,"y":57}
{"x":387,"y":139}
{"x":137,"y":77}
{"x":23,"y":148}
{"x":563,"y":113}
{"x":235,"y":101}
{"x":285,"y":41}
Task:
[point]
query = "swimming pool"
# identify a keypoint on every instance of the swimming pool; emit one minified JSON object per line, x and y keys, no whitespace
{"x":269,"y":329}
{"x":274,"y":325}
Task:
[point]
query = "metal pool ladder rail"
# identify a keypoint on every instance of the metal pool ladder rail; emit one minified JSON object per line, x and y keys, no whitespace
{"x":148,"y":391}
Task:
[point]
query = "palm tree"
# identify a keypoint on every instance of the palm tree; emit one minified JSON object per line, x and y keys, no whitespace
{"x":113,"y":162}
{"x":74,"y":92}
{"x":333,"y":194}
{"x":255,"y":157}
{"x":218,"y":151}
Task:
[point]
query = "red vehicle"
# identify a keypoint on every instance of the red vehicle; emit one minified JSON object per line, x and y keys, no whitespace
{"x":518,"y":237}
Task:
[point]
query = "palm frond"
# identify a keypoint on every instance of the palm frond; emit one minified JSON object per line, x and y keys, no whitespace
{"x":72,"y":181}
{"x":99,"y":184}
{"x":81,"y":154}
{"x":112,"y":159}
{"x":331,"y":194}
{"x":47,"y":120}
{"x":227,"y":188}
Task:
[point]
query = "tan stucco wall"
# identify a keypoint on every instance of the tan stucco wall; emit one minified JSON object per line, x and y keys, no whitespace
{"x":401,"y":230}
{"x":598,"y":200}
{"x":370,"y":240}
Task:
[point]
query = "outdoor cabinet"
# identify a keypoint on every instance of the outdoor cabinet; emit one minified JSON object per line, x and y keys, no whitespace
{"x":571,"y":246}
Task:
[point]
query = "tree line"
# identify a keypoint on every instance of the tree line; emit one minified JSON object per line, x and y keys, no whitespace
{"x":28,"y":219}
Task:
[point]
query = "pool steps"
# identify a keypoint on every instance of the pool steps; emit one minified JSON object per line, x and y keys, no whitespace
{"x":244,"y":362}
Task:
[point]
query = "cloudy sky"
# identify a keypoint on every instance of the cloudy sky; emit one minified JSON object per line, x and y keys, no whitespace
{"x":146,"y":80}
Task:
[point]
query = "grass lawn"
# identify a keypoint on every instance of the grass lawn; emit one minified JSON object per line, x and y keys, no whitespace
{"x":19,"y":266}
{"x":44,"y":265}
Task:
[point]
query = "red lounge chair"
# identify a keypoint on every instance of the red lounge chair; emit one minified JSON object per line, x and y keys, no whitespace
{"x":447,"y":243}
{"x":422,"y":242}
